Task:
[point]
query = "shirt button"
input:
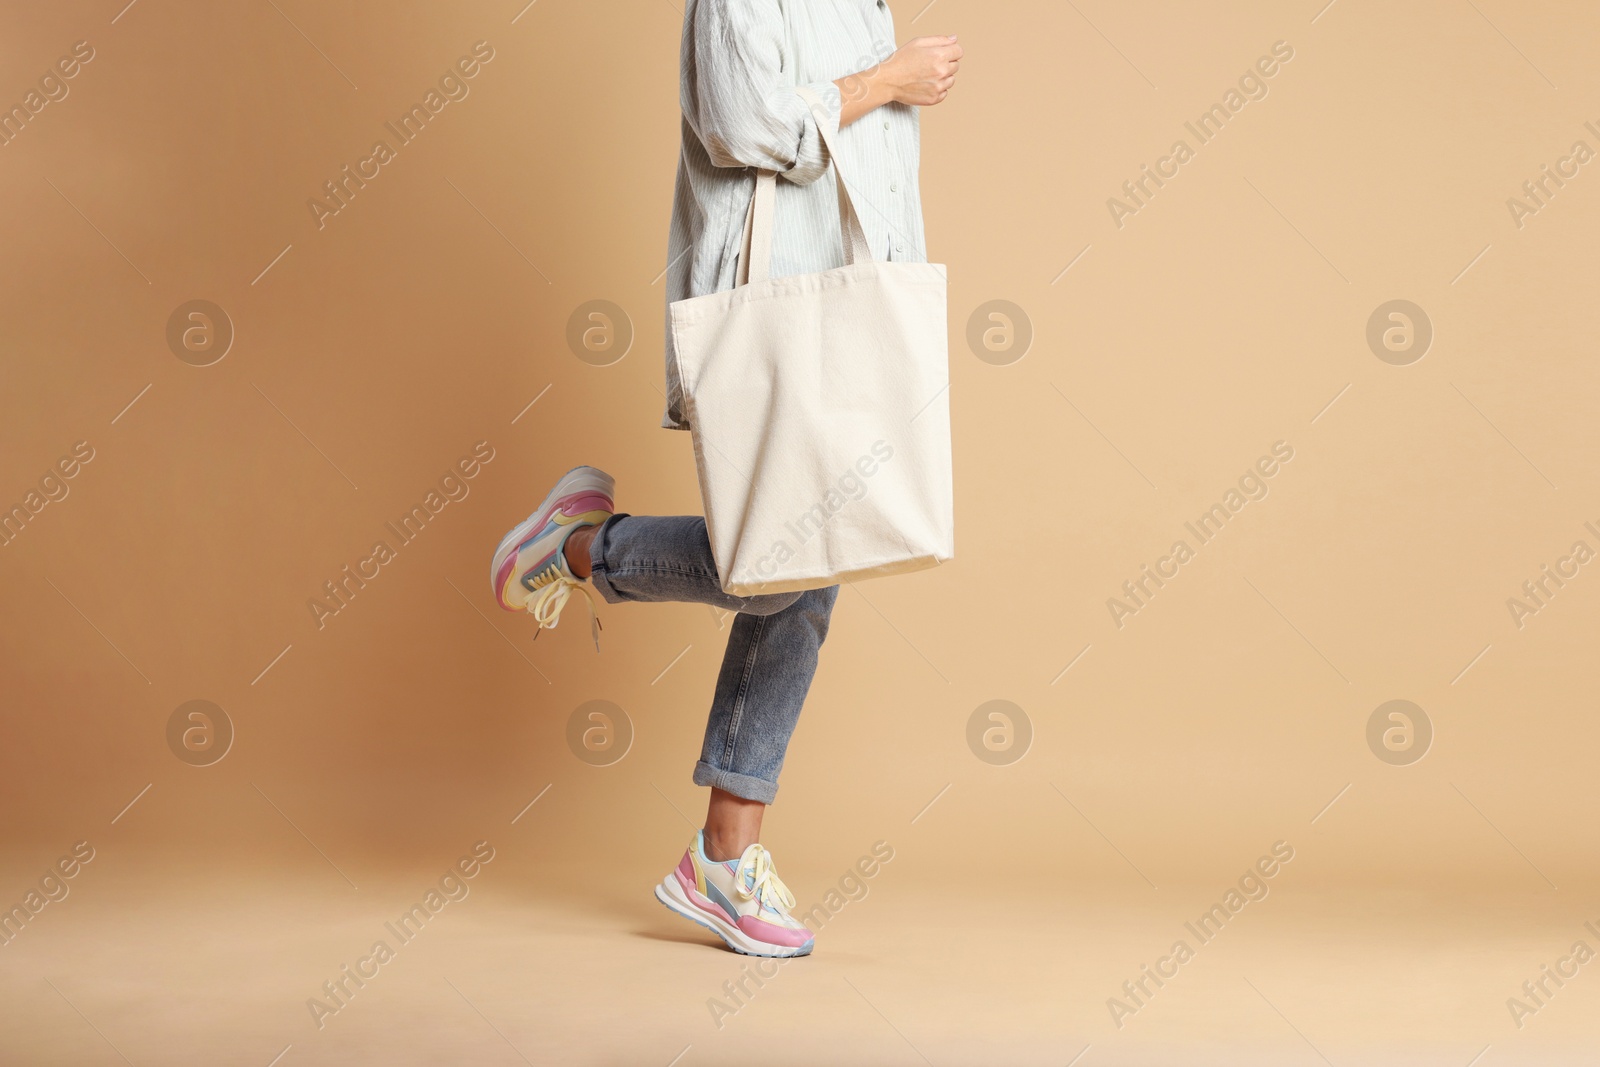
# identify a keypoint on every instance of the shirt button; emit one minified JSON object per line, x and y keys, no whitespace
{"x":886,"y":124}
{"x":894,"y":187}
{"x":899,"y":247}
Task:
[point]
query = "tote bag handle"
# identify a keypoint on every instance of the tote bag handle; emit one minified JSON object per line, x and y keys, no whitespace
{"x":755,"y":260}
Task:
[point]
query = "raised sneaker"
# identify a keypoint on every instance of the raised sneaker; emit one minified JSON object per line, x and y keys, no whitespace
{"x":529,"y":570}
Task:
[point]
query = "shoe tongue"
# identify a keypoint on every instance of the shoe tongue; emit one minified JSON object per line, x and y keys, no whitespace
{"x":749,"y":876}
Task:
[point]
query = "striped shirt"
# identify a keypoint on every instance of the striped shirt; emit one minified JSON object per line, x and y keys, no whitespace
{"x":741,"y":62}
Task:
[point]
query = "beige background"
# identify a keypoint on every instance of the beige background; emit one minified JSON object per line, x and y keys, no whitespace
{"x":1228,"y":314}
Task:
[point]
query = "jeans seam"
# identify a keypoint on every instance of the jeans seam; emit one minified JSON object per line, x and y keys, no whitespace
{"x":662,"y":567}
{"x":744,"y":688}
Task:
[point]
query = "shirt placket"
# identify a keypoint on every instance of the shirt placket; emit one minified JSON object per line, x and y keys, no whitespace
{"x":876,"y":21}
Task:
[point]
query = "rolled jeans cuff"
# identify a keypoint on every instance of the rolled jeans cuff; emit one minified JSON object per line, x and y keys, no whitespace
{"x":740,"y":785}
{"x":598,"y":576}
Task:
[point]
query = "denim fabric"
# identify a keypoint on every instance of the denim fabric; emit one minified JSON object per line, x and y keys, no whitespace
{"x":771,"y":654}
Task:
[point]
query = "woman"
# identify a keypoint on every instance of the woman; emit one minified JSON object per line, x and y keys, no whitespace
{"x":741,"y":63}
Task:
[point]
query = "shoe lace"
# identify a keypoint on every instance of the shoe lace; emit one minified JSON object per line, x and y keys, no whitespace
{"x":764,"y":883}
{"x":550,"y":595}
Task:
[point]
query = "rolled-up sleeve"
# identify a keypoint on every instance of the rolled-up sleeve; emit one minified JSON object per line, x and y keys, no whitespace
{"x":741,"y":105}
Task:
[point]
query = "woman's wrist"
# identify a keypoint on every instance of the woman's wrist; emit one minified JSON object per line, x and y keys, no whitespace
{"x":864,"y":92}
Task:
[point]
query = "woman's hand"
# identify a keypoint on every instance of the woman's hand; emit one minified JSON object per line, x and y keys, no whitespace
{"x":920,"y":72}
{"x":923,"y":71}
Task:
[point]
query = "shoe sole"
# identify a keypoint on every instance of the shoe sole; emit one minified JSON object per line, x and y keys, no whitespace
{"x":670,"y":893}
{"x":512,"y":541}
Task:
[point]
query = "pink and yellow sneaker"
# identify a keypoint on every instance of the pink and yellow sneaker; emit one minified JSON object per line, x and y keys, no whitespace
{"x":742,"y":901}
{"x":529,"y":570}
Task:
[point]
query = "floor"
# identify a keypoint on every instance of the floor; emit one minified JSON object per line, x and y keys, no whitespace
{"x":191,"y":965}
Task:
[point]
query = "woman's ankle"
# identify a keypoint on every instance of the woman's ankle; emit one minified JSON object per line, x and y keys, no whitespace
{"x":733,"y":824}
{"x":724,"y":847}
{"x":576,"y":550}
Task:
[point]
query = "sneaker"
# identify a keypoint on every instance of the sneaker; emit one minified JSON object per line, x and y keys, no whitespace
{"x":742,"y":901}
{"x":529,"y":571}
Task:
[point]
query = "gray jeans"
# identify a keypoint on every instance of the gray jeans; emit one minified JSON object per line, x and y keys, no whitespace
{"x":772,"y":650}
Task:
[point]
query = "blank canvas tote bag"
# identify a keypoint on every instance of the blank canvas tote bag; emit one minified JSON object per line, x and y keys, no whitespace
{"x":820,"y":411}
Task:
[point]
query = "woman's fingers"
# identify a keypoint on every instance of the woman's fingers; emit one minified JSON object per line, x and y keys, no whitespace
{"x":928,"y":66}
